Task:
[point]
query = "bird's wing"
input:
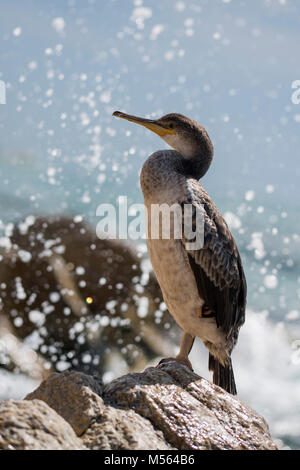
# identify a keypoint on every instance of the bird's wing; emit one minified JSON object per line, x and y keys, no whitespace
{"x":216,"y":265}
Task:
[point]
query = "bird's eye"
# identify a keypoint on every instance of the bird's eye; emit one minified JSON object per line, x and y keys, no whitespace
{"x":171,"y":125}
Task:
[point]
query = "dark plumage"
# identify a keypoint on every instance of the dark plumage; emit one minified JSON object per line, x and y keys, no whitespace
{"x":221,"y":282}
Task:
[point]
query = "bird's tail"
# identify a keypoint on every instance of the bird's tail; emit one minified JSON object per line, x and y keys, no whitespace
{"x":222,"y":375}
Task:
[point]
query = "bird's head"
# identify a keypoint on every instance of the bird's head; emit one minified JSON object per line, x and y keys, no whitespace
{"x":183,"y":134}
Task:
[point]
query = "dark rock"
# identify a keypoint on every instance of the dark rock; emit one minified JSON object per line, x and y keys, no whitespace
{"x":78,"y":294}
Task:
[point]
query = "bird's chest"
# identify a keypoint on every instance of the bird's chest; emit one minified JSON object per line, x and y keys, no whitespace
{"x":169,"y":259}
{"x":174,"y":276}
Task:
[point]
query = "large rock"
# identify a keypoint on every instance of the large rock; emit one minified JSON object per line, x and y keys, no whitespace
{"x":34,"y":425}
{"x":191,"y":412}
{"x":161,"y":408}
{"x":74,"y":295}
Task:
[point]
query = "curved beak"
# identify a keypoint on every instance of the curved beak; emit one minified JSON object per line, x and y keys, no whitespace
{"x":152,"y":125}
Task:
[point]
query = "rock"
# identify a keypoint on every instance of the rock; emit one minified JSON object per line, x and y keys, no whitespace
{"x":191,"y":412}
{"x":74,"y":396}
{"x":168,"y":407}
{"x":74,"y":295}
{"x":77,"y":398}
{"x":118,"y":429}
{"x":34,"y":425}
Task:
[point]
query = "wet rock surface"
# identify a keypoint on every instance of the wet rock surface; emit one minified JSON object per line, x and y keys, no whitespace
{"x":168,"y":407}
{"x":192,"y":412}
{"x":118,"y":429}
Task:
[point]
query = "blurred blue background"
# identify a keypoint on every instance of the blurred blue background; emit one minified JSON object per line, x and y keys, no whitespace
{"x":228,"y":64}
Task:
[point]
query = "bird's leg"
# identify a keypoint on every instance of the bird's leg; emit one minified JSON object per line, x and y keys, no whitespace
{"x":185,"y":348}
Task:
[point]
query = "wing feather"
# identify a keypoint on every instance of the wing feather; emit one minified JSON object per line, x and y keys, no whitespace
{"x":217,"y":265}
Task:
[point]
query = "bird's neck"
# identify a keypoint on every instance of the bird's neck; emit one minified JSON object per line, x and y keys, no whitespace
{"x":196,"y":166}
{"x":166,"y":170}
{"x":196,"y":154}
